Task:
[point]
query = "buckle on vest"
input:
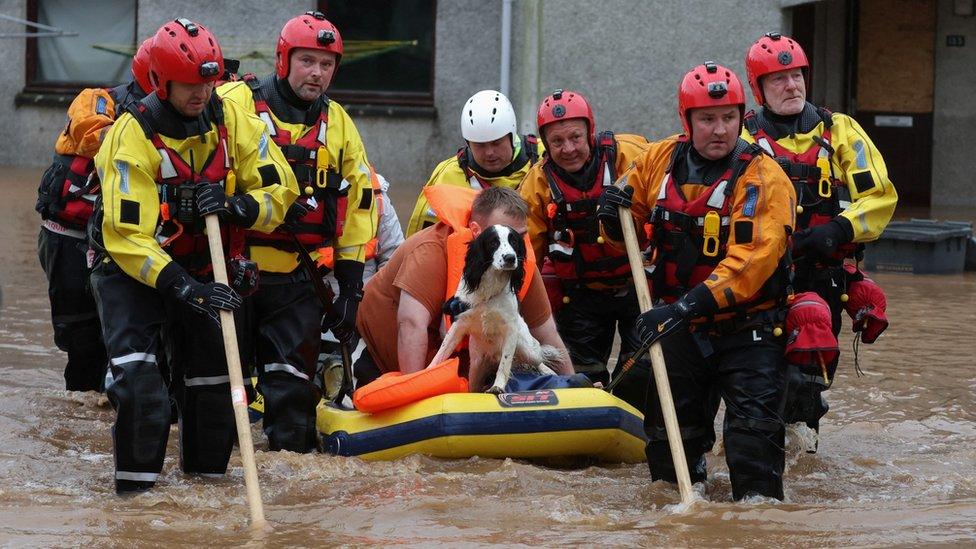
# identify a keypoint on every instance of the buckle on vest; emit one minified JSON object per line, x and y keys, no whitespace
{"x":322,"y":167}
{"x":823,"y":188}
{"x":711,"y":228}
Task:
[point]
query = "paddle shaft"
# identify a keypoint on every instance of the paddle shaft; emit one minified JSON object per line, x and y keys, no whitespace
{"x":657,"y":358}
{"x":237,"y":394}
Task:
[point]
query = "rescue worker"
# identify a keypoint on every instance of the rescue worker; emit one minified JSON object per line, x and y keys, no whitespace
{"x":163,"y":168}
{"x":336,"y":208}
{"x":720,"y":213}
{"x":844,"y":196}
{"x":494,"y":153}
{"x":593,"y":285}
{"x":413,"y":287}
{"x":65,"y":199}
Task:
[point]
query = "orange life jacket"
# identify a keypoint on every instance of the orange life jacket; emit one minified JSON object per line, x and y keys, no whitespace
{"x":395,"y":389}
{"x":452,"y":205}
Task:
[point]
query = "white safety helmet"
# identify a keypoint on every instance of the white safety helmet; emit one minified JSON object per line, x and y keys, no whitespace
{"x":487,"y":116}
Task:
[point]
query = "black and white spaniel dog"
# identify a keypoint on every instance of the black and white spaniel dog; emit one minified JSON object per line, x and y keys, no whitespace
{"x":486,"y":298}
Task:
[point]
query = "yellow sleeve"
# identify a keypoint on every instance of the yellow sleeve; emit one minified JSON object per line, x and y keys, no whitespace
{"x":259,"y":167}
{"x":127,"y":164}
{"x":762,"y":213}
{"x":859,"y":164}
{"x":361,"y":221}
{"x":535,"y":192}
{"x":239,"y":93}
{"x":448,"y":172}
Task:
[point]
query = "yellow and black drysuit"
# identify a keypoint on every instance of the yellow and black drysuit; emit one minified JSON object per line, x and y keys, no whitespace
{"x":592,"y":277}
{"x":65,"y":199}
{"x":844,"y":199}
{"x":155,"y":279}
{"x":461,"y":170}
{"x":719,"y":231}
{"x":337,"y":209}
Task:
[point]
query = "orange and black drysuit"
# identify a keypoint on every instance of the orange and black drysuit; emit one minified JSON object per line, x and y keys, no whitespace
{"x":719,"y":232}
{"x":594,"y":280}
{"x":844,"y":197}
{"x":64,"y":199}
{"x":339,"y":209}
{"x":149,"y":230}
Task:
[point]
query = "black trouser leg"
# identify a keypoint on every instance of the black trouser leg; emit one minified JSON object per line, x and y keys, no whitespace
{"x":288,"y":338}
{"x":695,"y":404}
{"x":752,"y":383}
{"x":134,"y":315}
{"x":207,"y":426}
{"x":77,"y":330}
{"x":805,"y":401}
{"x":633,"y":388}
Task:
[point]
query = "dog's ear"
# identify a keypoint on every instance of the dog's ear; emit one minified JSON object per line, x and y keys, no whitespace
{"x":478,"y":259}
{"x":517,"y":243}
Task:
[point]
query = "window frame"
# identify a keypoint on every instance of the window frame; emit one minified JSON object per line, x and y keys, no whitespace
{"x":388,"y":98}
{"x":32,"y":86}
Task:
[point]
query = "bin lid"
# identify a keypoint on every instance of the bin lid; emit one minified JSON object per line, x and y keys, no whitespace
{"x":926,"y":230}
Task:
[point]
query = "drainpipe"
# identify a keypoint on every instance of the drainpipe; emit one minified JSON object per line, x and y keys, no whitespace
{"x":506,"y":46}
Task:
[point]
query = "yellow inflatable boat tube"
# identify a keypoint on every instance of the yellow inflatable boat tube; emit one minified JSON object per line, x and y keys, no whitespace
{"x":534,"y":424}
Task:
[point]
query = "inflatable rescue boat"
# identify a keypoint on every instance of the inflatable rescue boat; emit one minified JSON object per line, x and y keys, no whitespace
{"x":549,"y":423}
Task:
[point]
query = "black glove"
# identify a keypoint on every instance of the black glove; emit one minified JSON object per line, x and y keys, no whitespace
{"x":666,"y":319}
{"x":453,"y":307}
{"x":822,"y":241}
{"x":243,"y":275}
{"x":211,"y":198}
{"x":608,"y":210}
{"x":342,"y":318}
{"x":203,"y":298}
{"x":242,"y":210}
{"x":298,"y":209}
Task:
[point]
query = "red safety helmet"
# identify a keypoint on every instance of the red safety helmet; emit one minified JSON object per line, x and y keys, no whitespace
{"x":311,"y":30}
{"x":810,"y":337}
{"x":565,"y":105}
{"x":773,"y":52}
{"x":183,"y":51}
{"x":140,"y":65}
{"x":709,"y":85}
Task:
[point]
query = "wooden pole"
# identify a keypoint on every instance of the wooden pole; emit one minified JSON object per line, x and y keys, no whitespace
{"x":237,"y":394}
{"x":657,"y":358}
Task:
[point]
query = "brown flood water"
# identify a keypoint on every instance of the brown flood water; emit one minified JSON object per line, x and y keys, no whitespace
{"x":896,"y":462}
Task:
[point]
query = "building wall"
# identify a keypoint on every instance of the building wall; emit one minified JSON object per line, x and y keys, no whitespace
{"x":626,"y":56}
{"x":954,"y":119}
{"x":27,"y":134}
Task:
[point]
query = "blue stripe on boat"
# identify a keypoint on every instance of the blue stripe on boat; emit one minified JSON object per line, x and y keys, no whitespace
{"x":483,"y":423}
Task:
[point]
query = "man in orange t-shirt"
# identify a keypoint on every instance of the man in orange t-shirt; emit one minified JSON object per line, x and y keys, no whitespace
{"x":400,"y":317}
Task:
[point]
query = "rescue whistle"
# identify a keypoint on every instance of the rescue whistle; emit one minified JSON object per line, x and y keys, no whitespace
{"x":309,"y":190}
{"x":799,"y":209}
{"x":713,"y":223}
{"x":823,"y":189}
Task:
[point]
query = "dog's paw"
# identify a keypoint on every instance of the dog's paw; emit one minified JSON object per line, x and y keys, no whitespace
{"x":495,"y":390}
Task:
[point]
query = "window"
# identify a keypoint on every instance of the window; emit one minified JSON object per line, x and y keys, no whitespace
{"x":389,"y":51}
{"x":100,"y":54}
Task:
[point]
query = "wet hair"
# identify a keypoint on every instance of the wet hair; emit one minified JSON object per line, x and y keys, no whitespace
{"x":501,"y":199}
